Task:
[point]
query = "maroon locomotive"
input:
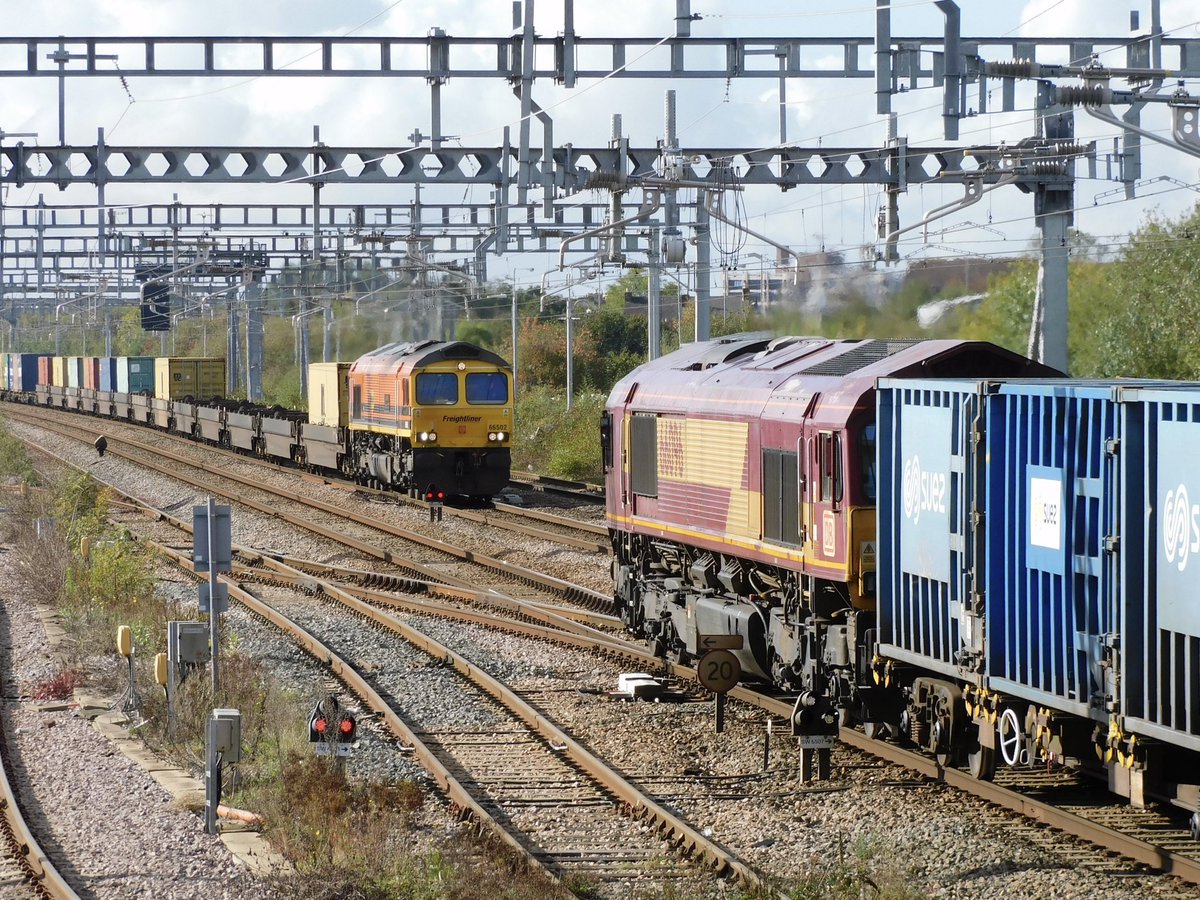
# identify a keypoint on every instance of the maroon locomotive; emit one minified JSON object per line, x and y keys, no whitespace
{"x":740,"y":477}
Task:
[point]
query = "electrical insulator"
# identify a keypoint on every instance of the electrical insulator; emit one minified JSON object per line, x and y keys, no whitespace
{"x":674,"y":249}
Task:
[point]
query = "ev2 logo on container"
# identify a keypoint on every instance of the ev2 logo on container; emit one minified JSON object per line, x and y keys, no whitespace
{"x":923,"y":491}
{"x":1180,"y":527}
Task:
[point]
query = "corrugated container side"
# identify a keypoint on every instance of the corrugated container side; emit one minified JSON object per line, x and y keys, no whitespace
{"x":74,"y":371}
{"x":328,"y":394}
{"x":45,"y":370}
{"x":91,"y":373}
{"x":1160,"y":564}
{"x":197,"y":377}
{"x":135,"y":374}
{"x":1050,"y":583}
{"x":108,"y":374}
{"x":6,"y":378}
{"x":59,"y":371}
{"x":925,"y":550}
{"x":27,"y":371}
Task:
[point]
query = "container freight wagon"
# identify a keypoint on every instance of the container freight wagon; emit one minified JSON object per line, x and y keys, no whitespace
{"x":323,"y":436}
{"x":1035,"y":595}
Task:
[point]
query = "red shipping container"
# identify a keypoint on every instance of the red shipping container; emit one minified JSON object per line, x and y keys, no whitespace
{"x":91,"y":372}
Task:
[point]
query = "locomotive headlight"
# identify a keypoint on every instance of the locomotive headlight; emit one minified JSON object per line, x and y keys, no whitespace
{"x":500,"y":435}
{"x":491,"y":436}
{"x":428,"y":436}
{"x":433,"y":435}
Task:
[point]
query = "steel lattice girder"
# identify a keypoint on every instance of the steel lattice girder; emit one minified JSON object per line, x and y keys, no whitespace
{"x":572,"y":168}
{"x":443,"y":57}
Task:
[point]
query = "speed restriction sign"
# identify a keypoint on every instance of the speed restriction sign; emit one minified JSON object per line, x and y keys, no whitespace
{"x":719,"y":671}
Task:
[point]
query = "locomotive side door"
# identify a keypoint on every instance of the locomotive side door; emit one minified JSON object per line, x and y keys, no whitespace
{"x":808,"y":479}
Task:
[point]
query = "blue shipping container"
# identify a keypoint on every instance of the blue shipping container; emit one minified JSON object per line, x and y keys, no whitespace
{"x":1160,"y":562}
{"x":1049,"y":525}
{"x":926,"y":494}
{"x":108,"y":374}
{"x":25,"y":371}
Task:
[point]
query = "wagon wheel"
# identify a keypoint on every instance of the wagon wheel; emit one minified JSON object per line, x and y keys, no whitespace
{"x":981,"y":761}
{"x":875,"y":731}
{"x":941,"y":742}
{"x":1010,"y":736}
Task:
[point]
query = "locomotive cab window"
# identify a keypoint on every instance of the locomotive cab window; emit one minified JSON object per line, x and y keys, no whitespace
{"x":867,"y":455}
{"x":437,"y":389}
{"x":358,"y":401}
{"x":487,"y":388}
{"x":829,"y":465}
{"x":606,"y":440}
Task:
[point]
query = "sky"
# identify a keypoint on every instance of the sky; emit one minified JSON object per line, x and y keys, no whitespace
{"x":711,"y":113}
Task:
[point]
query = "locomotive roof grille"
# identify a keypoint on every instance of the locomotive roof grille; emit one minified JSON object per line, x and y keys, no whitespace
{"x":859,"y":357}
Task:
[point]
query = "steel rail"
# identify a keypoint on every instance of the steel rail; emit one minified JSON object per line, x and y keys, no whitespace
{"x":365,"y":582}
{"x":44,"y":878}
{"x":565,"y":589}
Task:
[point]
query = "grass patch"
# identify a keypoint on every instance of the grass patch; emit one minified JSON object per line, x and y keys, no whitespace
{"x":15,"y":464}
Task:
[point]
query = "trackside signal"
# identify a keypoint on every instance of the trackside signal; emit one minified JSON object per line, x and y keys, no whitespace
{"x":435,"y":498}
{"x":347,"y":729}
{"x":318,"y":725}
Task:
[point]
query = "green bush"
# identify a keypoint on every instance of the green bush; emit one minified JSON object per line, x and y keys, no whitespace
{"x":14,"y":457}
{"x":552,"y":441}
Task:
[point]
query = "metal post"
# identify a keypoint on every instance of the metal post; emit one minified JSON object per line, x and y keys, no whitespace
{"x":214,"y":616}
{"x":525,"y":172}
{"x":172,"y":666}
{"x":212,"y":770}
{"x":1052,"y":208}
{"x":514,"y":345}
{"x":703,"y":273}
{"x":254,"y":339}
{"x":654,"y":298}
{"x":951,"y":105}
{"x":570,"y":351}
{"x":883,"y":57}
{"x":61,"y":58}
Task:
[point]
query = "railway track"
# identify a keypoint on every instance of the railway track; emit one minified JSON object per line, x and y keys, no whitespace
{"x":523,"y":777}
{"x":25,"y":870}
{"x":538,"y":524}
{"x":1152,"y":838}
{"x":451,"y":564}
